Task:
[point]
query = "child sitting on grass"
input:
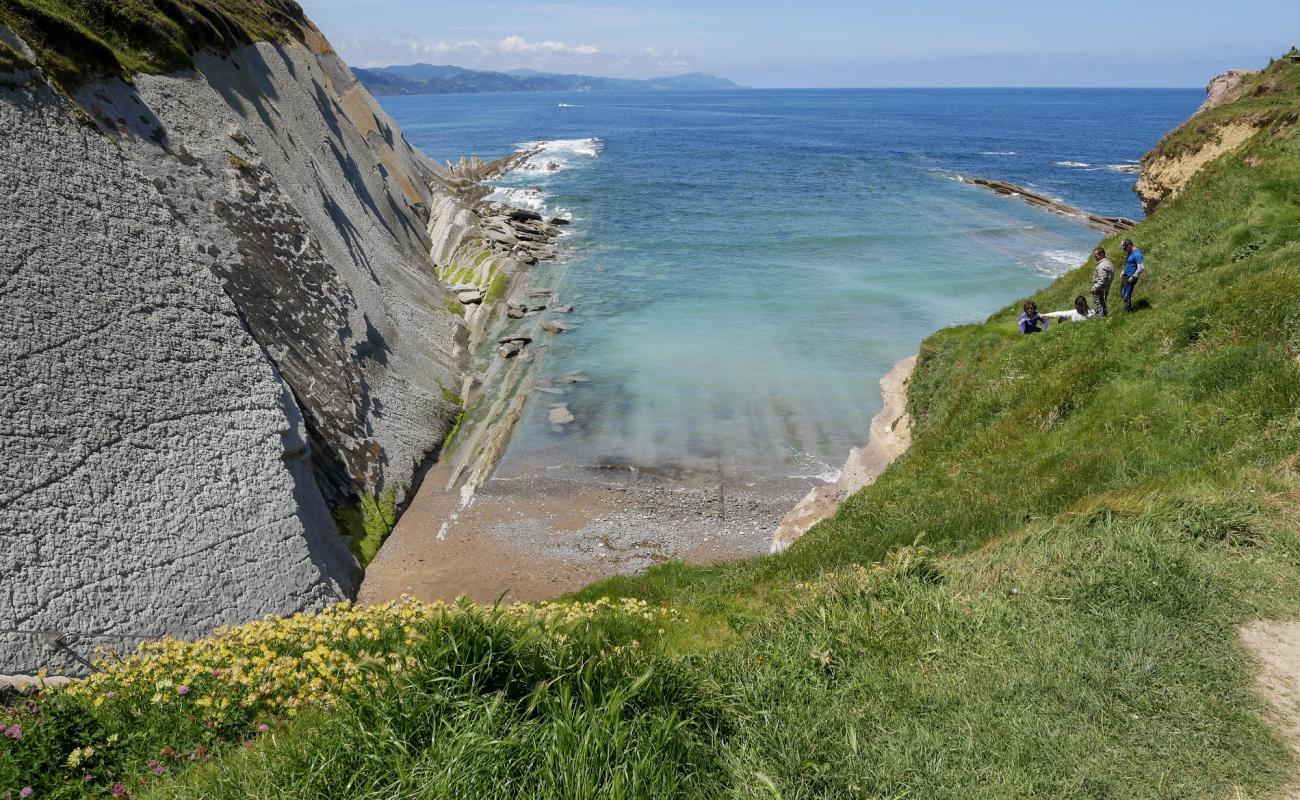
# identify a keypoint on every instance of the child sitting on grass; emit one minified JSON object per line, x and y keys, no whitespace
{"x":1031,"y":321}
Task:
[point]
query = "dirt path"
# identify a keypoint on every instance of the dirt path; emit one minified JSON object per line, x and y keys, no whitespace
{"x":1277,"y":646}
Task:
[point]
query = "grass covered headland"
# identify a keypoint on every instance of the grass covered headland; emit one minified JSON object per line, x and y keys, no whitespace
{"x":1041,"y":599}
{"x":76,"y":41}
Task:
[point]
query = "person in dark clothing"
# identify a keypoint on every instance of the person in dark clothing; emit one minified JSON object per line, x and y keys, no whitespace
{"x":1031,"y":321}
{"x":1133,"y":266}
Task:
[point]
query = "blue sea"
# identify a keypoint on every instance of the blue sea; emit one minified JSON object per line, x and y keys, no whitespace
{"x":747,"y":265}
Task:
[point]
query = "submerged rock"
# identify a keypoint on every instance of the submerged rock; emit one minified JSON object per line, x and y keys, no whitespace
{"x":563,"y":309}
{"x":554,"y":326}
{"x":524,"y":215}
{"x":560,"y":415}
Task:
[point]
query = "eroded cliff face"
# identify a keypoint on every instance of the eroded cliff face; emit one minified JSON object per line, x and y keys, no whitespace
{"x":1164,"y":175}
{"x":1165,"y":171}
{"x":219,"y":320}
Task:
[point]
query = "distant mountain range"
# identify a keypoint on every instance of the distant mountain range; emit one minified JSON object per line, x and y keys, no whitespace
{"x":431,"y":79}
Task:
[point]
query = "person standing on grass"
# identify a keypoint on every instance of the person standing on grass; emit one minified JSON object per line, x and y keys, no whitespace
{"x":1102,"y":275}
{"x":1031,"y":321}
{"x":1133,"y":266}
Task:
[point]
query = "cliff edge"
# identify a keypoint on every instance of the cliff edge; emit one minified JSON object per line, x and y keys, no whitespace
{"x":1238,"y":105}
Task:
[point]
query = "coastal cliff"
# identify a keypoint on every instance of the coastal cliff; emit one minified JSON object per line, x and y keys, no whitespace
{"x":1238,"y":105}
{"x":223,"y":335}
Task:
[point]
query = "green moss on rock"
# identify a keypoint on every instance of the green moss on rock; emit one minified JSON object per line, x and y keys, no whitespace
{"x":367,"y":524}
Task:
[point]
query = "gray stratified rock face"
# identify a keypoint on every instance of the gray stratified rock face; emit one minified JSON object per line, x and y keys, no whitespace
{"x":217,"y":318}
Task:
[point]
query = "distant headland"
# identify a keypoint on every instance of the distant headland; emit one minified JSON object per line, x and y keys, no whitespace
{"x":431,"y":79}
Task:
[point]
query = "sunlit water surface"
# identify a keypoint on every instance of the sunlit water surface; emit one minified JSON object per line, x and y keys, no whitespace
{"x":746,"y":266}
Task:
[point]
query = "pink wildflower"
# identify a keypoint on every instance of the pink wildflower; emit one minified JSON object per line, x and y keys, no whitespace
{"x":263,"y":727}
{"x":153,"y":762}
{"x":89,"y":777}
{"x":182,"y":689}
{"x":14,"y":731}
{"x":26,"y":791}
{"x":119,"y":790}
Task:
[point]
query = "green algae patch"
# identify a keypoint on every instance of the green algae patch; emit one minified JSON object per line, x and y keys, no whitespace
{"x":497,"y":288}
{"x":367,"y":524}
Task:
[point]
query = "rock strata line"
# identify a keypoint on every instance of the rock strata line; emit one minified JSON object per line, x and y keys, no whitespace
{"x":1107,"y":225}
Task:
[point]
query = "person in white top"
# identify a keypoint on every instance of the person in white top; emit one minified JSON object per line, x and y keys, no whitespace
{"x":1102,"y":275}
{"x":1079,"y":313}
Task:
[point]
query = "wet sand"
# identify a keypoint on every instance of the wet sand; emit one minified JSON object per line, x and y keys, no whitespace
{"x":536,"y":532}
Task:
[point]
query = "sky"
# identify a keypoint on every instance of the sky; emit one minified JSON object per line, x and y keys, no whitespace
{"x":826,"y":43}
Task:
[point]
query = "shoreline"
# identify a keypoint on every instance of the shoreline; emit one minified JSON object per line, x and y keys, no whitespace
{"x":890,"y":436}
{"x":543,"y":531}
{"x":533,"y":531}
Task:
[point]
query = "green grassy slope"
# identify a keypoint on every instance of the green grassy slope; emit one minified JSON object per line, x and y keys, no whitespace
{"x":1040,"y":599}
{"x":76,"y":41}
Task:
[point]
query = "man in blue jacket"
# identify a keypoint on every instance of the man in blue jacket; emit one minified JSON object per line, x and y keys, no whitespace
{"x":1133,"y":266}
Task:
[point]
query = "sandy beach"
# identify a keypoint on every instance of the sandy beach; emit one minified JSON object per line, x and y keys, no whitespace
{"x":536,"y":532}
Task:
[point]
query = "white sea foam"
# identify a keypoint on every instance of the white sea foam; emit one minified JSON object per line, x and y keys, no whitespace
{"x":999,"y":153}
{"x":552,"y":156}
{"x":558,"y":154}
{"x":1075,"y":164}
{"x":1127,"y":168}
{"x":531,"y":199}
{"x":816,"y":470}
{"x":1058,"y":262}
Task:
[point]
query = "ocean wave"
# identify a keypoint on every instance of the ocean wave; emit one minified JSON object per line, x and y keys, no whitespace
{"x":531,"y":199}
{"x":555,"y":155}
{"x":814,"y":469}
{"x":1058,"y":262}
{"x":552,"y":155}
{"x":581,"y":147}
{"x":1074,"y":164}
{"x":999,"y":153}
{"x":1127,"y":168}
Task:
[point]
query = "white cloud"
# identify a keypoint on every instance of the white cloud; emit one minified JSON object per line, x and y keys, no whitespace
{"x":518,"y":44}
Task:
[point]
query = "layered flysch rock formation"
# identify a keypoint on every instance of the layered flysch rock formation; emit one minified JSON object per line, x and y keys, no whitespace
{"x":219,"y":321}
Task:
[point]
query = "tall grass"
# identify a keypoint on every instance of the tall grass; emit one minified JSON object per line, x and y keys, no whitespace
{"x":489,"y":712}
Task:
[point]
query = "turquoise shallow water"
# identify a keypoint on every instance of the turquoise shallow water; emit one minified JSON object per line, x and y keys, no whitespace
{"x":746,"y":266}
